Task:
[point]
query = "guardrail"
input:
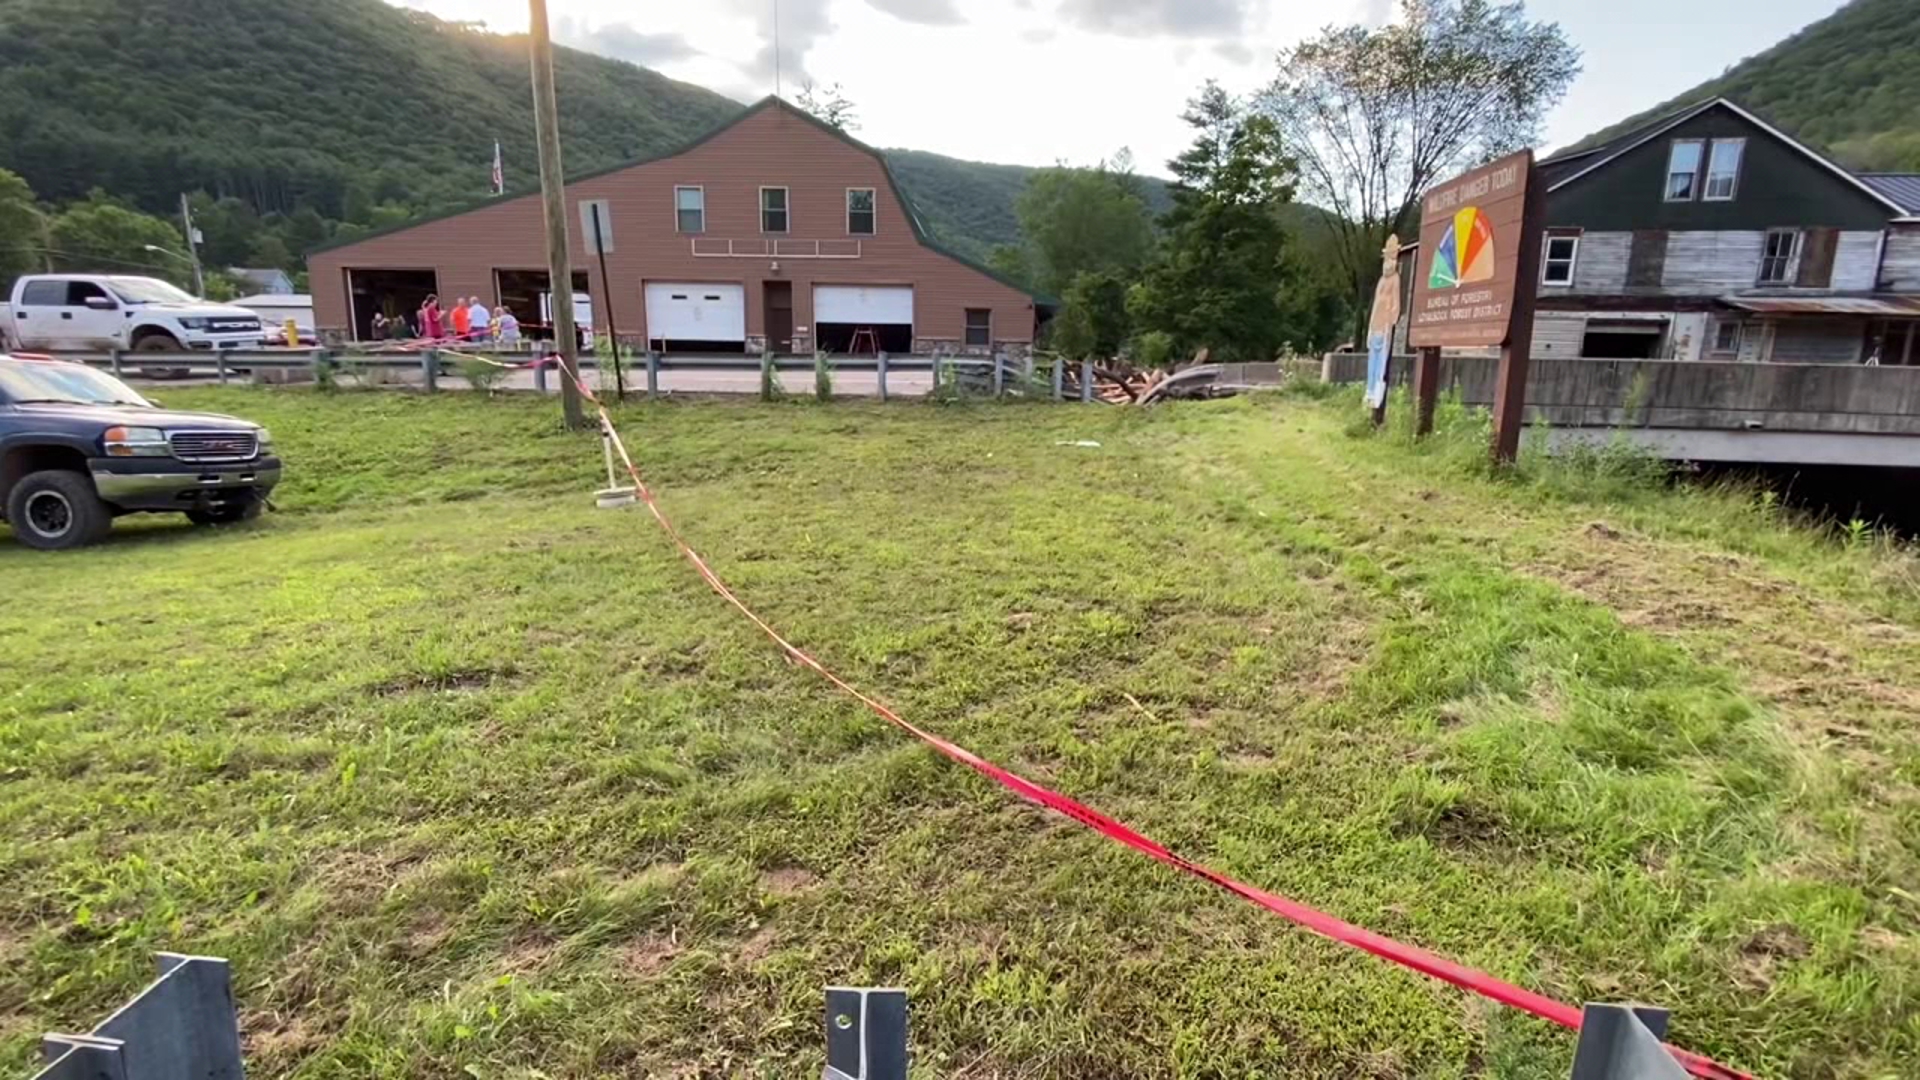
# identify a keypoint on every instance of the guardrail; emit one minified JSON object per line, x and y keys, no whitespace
{"x":995,"y":375}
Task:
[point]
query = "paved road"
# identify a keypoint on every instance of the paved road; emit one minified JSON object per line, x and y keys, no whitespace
{"x":902,"y":384}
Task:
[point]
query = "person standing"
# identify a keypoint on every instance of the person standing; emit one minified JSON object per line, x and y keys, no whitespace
{"x":480,"y":320}
{"x":508,"y":326}
{"x":379,"y":327}
{"x":430,"y":327}
{"x":462,"y":317}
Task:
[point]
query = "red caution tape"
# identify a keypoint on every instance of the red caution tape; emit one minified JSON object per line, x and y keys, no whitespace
{"x":1319,"y":922}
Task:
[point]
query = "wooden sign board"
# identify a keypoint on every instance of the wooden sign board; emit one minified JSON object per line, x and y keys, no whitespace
{"x":1472,"y":235}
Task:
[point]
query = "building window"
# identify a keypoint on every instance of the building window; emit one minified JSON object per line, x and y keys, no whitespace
{"x":979,"y":327}
{"x":773,"y":209}
{"x":1723,"y":169}
{"x":1556,"y":261}
{"x":1781,"y":257}
{"x":860,"y":216}
{"x":1726,"y":337}
{"x":1683,"y":170}
{"x":690,"y":209}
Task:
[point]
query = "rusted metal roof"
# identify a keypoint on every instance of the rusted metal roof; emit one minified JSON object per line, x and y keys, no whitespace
{"x":1896,"y":306}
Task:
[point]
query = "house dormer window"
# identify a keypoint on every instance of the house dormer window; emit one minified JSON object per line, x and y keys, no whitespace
{"x":1723,"y":169}
{"x":1683,"y":170}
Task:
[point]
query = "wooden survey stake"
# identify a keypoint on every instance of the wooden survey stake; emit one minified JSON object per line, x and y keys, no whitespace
{"x":1473,"y":284}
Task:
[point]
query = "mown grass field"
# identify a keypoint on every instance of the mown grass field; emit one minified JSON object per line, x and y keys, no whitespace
{"x":469,"y":778}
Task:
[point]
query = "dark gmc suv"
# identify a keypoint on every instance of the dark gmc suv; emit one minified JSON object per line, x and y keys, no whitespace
{"x":79,"y":448}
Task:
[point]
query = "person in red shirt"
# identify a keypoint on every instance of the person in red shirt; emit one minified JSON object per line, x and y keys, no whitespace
{"x":462,"y":319}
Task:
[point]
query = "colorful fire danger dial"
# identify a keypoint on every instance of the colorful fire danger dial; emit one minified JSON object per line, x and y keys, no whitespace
{"x":1465,"y":253}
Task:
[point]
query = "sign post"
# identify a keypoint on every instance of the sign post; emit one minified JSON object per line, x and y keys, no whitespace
{"x":1474,"y":283}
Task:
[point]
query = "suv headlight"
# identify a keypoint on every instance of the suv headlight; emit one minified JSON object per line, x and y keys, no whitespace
{"x":194,"y":323}
{"x":265,"y":437}
{"x":135,"y":442}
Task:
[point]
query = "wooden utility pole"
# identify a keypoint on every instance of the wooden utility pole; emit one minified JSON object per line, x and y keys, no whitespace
{"x":1510,"y":387}
{"x":553,"y":192}
{"x":193,"y":246}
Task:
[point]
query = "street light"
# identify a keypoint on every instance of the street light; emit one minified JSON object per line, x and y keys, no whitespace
{"x":199,"y":283}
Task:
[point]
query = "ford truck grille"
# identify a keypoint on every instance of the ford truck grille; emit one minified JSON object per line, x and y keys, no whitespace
{"x":214,"y":445}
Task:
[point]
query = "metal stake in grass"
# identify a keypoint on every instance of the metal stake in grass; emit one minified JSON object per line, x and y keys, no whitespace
{"x":613,"y":496}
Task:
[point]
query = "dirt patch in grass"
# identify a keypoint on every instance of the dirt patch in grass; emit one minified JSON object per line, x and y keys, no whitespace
{"x":272,"y":1038}
{"x":788,"y":880}
{"x":647,"y":956}
{"x":1763,"y":954}
{"x":459,"y":681}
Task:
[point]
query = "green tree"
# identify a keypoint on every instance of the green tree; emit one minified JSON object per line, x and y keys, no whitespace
{"x":1217,"y":282}
{"x":1101,"y":295}
{"x":22,"y":230}
{"x":104,"y":235}
{"x":269,"y":252}
{"x":1375,"y":117}
{"x":829,"y":105}
{"x":1078,"y":220}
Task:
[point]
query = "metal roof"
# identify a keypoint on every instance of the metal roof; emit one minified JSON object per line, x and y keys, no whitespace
{"x":1903,"y":188}
{"x":1826,"y":305}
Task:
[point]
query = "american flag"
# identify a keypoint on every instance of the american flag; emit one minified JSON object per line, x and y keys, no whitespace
{"x":499,"y":174}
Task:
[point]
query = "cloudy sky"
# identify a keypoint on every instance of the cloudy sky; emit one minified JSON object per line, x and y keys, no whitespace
{"x":1039,"y":81}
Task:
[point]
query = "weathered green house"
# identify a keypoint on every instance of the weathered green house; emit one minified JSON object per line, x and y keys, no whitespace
{"x":1710,"y":234}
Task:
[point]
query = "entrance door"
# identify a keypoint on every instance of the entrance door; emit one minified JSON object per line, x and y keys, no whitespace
{"x":779,"y":297}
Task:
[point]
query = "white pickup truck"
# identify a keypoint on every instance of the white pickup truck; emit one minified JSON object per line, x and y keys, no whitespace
{"x":79,"y":312}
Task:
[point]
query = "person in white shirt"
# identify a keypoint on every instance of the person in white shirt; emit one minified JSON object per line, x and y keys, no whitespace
{"x":479,"y":320}
{"x":508,"y":325}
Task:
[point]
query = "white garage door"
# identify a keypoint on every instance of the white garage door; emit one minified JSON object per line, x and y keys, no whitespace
{"x":863,"y":305}
{"x":696,"y":312}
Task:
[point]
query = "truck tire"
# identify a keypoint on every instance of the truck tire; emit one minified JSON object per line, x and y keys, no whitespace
{"x":156,"y":341}
{"x":55,"y":510}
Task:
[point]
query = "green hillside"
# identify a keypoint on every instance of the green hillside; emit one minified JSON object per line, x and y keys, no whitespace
{"x":351,"y":108}
{"x":1849,"y":84}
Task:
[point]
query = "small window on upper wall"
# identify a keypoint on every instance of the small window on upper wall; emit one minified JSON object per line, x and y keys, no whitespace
{"x":1556,"y":260}
{"x":690,"y":209}
{"x":773,"y":209}
{"x":1723,"y":169}
{"x":979,"y":327}
{"x":1781,"y":259}
{"x":1683,"y":170}
{"x":860,"y":215}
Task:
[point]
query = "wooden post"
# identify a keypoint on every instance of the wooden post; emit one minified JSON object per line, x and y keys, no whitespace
{"x":653,"y":374}
{"x":935,"y":392}
{"x":553,"y":191}
{"x":1086,"y":382}
{"x":1426,"y":389}
{"x":999,"y":376}
{"x":1510,"y":387}
{"x":1059,"y":378}
{"x":880,"y":374}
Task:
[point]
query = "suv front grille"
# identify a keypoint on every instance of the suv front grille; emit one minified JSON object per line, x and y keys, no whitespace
{"x":214,"y":445}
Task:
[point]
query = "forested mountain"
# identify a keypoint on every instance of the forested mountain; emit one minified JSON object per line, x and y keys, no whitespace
{"x":307,"y":115}
{"x":1849,"y":84}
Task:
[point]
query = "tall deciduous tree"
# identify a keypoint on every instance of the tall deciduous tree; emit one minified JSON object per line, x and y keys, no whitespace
{"x":22,"y":233}
{"x":828,"y":104}
{"x":1375,"y":117}
{"x":104,"y":235}
{"x":1224,"y":265}
{"x":1076,"y":221}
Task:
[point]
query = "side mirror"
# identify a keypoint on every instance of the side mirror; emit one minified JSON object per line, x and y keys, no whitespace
{"x":102,"y":303}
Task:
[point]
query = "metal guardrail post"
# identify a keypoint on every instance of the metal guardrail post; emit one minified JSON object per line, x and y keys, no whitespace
{"x":653,"y":375}
{"x":430,"y":369}
{"x":321,"y":361}
{"x":866,"y":1033}
{"x":113,"y":361}
{"x":936,"y":374}
{"x":182,"y":1025}
{"x":220,"y":366}
{"x":540,"y":373}
{"x":1086,"y":382}
{"x":880,"y":373}
{"x":999,"y":376}
{"x":1623,"y":1042}
{"x":1059,"y":378}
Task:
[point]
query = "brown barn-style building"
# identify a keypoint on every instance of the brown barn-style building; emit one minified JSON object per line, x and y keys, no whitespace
{"x":774,"y":231}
